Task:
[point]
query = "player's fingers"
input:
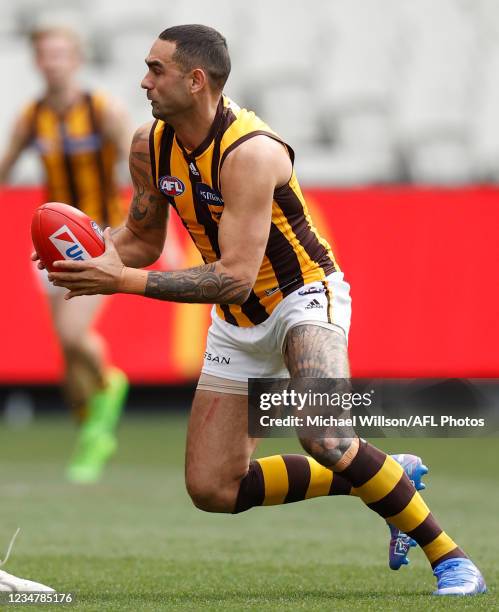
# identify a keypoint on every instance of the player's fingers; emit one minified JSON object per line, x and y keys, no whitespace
{"x":74,"y":286}
{"x":34,"y":256}
{"x":73,"y":293}
{"x":73,"y":266}
{"x":64,"y":277}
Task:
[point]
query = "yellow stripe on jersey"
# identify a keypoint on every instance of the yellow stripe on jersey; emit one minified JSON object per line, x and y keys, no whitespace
{"x":295,"y":254}
{"x":78,"y":160}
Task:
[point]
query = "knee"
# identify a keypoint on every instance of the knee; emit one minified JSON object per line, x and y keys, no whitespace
{"x":326,"y":451}
{"x":72,"y":342}
{"x":210,"y":496}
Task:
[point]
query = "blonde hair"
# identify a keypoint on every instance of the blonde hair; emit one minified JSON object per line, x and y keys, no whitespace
{"x":67,"y":32}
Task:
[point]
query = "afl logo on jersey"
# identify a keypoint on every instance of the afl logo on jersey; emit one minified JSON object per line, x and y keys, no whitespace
{"x":171,"y":186}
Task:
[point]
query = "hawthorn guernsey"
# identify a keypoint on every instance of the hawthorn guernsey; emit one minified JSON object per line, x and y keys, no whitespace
{"x":60,"y":231}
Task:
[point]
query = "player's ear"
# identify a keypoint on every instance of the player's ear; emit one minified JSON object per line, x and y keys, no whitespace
{"x":198,"y":80}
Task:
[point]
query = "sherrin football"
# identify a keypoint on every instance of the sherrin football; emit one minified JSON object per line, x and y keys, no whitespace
{"x":60,"y":231}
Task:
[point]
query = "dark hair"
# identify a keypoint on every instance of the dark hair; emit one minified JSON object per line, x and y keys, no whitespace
{"x":199,"y":45}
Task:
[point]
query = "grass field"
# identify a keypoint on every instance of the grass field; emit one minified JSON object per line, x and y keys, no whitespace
{"x":135,"y":542}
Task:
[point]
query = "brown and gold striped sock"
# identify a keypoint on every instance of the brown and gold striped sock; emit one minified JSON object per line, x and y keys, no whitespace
{"x":382,"y":484}
{"x":283,"y":479}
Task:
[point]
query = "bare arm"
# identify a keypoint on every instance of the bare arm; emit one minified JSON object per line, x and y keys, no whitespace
{"x":18,"y":141}
{"x":140,"y":240}
{"x":248,"y":178}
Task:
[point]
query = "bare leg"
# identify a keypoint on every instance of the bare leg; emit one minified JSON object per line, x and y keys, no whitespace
{"x":316,"y":352}
{"x":218,"y":449}
{"x":380,"y":482}
{"x":83,"y":348}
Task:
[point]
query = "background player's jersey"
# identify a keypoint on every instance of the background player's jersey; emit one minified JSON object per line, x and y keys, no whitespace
{"x":79,"y":161}
{"x":295,"y":253}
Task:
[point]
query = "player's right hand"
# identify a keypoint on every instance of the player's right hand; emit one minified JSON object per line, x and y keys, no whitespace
{"x":34,"y":257}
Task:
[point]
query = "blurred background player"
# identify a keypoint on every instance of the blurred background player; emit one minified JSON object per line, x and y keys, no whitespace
{"x":80,"y":135}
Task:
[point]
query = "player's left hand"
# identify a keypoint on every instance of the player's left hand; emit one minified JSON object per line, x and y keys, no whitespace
{"x":102,"y":275}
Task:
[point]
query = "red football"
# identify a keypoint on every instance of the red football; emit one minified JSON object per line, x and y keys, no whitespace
{"x":60,"y":231}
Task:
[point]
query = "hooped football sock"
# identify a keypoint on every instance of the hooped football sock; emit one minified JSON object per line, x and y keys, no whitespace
{"x":384,"y":487}
{"x":283,"y":479}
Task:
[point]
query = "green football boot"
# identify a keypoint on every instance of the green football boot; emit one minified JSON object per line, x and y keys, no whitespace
{"x":97,"y":440}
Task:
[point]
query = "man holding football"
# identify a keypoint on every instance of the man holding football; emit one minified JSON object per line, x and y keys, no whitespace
{"x":231,"y":180}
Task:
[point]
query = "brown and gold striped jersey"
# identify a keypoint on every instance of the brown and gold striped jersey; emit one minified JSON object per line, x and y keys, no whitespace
{"x":295,"y":253}
{"x":79,"y":161}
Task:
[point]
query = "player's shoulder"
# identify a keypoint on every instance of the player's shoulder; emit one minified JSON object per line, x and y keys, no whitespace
{"x":29,"y":108}
{"x":261,"y":147}
{"x":243,"y":120}
{"x":140,"y":154}
{"x":248,"y":135}
{"x":140,"y":140}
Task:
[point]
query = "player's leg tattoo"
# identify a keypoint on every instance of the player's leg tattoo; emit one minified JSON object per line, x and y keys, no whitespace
{"x":378,"y":479}
{"x":316,"y":352}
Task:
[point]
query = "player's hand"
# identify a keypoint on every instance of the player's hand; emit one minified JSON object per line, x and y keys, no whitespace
{"x":100,"y":275}
{"x":35,"y":257}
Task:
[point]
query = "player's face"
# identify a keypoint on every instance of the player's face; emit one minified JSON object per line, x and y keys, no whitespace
{"x":167,"y":85}
{"x":57,"y":57}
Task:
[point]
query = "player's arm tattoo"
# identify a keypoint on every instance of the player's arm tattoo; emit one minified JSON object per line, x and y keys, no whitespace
{"x":148,"y":208}
{"x":317,"y":352}
{"x":206,"y":284}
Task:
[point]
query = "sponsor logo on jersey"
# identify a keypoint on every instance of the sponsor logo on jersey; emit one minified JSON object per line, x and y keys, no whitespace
{"x":313,"y":304}
{"x":97,"y":230}
{"x":171,"y":186}
{"x":70,"y":144}
{"x":208,"y":195}
{"x":68,"y":244}
{"x":313,"y":289}
{"x":216,"y":358}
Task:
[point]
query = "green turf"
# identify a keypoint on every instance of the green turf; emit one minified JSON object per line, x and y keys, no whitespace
{"x":135,"y":542}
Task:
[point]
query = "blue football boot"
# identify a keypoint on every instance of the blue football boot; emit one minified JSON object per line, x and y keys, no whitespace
{"x":401,"y":543}
{"x":458,"y":577}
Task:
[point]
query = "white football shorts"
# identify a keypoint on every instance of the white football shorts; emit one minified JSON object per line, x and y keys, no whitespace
{"x":238,"y":353}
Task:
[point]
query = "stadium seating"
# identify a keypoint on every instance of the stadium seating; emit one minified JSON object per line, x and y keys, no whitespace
{"x":366,"y":92}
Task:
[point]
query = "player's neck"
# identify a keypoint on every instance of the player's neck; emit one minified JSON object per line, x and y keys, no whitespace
{"x":63,"y":97}
{"x":192,"y":128}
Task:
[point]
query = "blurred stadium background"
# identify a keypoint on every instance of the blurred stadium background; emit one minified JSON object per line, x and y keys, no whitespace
{"x":393,"y":109}
{"x":368,"y":92}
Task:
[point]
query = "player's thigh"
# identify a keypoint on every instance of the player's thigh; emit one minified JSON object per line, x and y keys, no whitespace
{"x":316,"y":351}
{"x":218,"y":448}
{"x":73,"y":318}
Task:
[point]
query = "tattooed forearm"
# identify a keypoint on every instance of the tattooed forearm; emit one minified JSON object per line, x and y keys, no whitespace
{"x":206,"y":284}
